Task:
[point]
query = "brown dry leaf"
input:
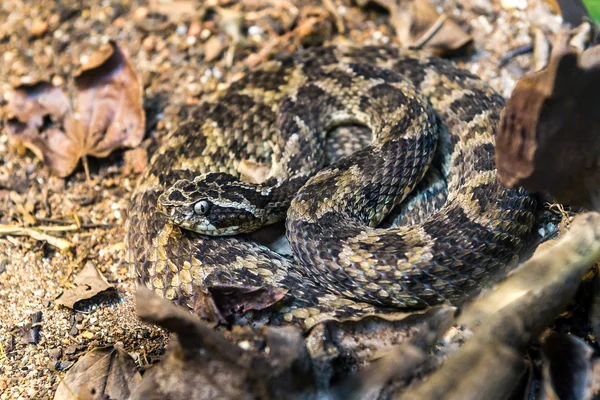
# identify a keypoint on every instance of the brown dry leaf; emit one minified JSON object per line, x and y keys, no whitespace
{"x":36,"y":119}
{"x":105,"y":372}
{"x":109,"y":113}
{"x":547,"y":136}
{"x":201,"y":363}
{"x":419,"y":26}
{"x":109,"y":103}
{"x":89,"y":283}
{"x":223,"y":301}
{"x":30,"y":332}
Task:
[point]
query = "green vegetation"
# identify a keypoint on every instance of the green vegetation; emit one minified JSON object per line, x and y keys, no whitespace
{"x":593,"y":7}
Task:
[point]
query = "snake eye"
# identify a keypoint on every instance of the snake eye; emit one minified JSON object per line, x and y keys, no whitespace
{"x":201,"y":207}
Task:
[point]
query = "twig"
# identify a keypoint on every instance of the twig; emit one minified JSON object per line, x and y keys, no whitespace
{"x":339,"y":23}
{"x":36,"y":234}
{"x":515,"y":313}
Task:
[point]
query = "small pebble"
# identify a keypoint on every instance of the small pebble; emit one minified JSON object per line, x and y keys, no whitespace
{"x":88,"y":335}
{"x":149,"y":43}
{"x":255,"y":30}
{"x":190,"y":40}
{"x":57,"y":81}
{"x":38,"y":28}
{"x":194,"y":28}
{"x":181,"y":30}
{"x":140,"y":13}
{"x":55,"y":353}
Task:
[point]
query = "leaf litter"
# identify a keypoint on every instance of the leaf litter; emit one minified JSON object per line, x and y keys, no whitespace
{"x":108,"y":113}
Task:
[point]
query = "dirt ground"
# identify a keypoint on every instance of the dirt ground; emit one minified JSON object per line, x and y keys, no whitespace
{"x":46,"y":40}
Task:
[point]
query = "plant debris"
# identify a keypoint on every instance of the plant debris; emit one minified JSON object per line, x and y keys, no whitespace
{"x":88,"y":284}
{"x":30,"y":332}
{"x":109,"y":113}
{"x":419,"y":26}
{"x":103,"y":373}
{"x":492,"y":361}
{"x":546,"y":139}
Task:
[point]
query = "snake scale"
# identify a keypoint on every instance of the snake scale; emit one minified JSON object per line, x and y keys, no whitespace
{"x":430,"y":156}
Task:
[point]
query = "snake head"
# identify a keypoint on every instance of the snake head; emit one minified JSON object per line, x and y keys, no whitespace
{"x":215,"y":204}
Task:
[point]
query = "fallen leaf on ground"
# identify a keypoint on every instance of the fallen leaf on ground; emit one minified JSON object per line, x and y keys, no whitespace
{"x":418,"y":25}
{"x":223,"y":301}
{"x":108,"y":113}
{"x":103,"y":373}
{"x":30,"y":332}
{"x":89,"y":283}
{"x":201,"y":363}
{"x":547,"y":136}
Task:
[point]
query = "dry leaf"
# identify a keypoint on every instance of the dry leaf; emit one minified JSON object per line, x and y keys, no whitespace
{"x":418,"y":25}
{"x":30,"y":332}
{"x":547,"y":136}
{"x":105,"y":372}
{"x":37,"y":113}
{"x":109,"y":104}
{"x":202,"y":364}
{"x":89,"y":283}
{"x":223,"y":301}
{"x":109,"y":114}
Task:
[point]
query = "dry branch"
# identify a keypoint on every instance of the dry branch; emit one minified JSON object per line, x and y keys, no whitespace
{"x":511,"y":316}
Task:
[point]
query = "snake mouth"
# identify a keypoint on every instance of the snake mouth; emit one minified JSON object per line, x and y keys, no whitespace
{"x":207,"y":229}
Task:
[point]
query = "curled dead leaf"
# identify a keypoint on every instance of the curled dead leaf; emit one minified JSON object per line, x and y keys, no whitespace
{"x":201,"y":363}
{"x":105,"y":372}
{"x":109,"y":103}
{"x":109,"y":113}
{"x":89,"y":283}
{"x":547,"y":132}
{"x":418,"y":25}
{"x":223,"y":301}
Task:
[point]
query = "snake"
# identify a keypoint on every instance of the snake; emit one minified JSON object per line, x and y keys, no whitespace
{"x":405,"y":214}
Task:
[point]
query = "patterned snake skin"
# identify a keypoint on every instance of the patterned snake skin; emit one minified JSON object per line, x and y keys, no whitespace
{"x":453,"y":233}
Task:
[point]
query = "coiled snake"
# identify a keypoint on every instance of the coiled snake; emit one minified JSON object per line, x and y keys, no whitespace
{"x":456,"y":231}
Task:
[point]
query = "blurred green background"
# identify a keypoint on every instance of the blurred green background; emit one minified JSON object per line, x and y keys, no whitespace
{"x":593,"y":7}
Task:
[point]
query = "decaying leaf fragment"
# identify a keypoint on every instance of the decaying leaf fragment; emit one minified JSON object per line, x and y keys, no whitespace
{"x":108,"y":113}
{"x":548,"y":133}
{"x":105,"y":372}
{"x":224,"y":301}
{"x":89,"y":283}
{"x":418,"y":25}
{"x":202,"y":364}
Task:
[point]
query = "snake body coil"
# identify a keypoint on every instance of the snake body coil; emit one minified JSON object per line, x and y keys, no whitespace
{"x":456,"y":230}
